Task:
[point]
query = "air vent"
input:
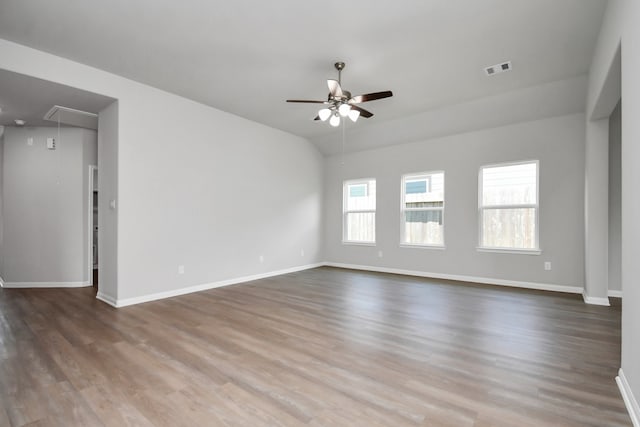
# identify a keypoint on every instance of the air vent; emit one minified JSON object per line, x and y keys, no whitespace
{"x":72,"y":117}
{"x":498,"y":68}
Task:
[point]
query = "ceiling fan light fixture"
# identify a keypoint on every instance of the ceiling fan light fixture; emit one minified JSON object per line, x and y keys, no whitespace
{"x":344,"y":109}
{"x":324,"y":114}
{"x":340,"y":103}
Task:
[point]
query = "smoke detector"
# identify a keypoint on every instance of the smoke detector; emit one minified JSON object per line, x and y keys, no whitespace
{"x":498,"y":68}
{"x":19,"y":122}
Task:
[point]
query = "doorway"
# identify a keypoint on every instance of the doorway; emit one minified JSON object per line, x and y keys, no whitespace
{"x":92,"y":232}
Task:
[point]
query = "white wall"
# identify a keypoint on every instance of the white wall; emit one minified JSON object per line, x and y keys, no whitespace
{"x":195,"y":186}
{"x":45,"y":211}
{"x":558,"y":143}
{"x":620,"y":28}
{"x":615,"y":200}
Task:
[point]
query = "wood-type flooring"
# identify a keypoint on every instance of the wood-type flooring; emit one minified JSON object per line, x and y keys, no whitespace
{"x":322,"y":347}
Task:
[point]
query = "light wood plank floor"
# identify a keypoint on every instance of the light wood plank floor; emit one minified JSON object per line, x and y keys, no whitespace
{"x":324,"y":347}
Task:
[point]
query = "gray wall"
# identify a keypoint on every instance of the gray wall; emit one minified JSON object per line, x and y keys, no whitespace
{"x":44,"y":215}
{"x":1,"y":198}
{"x":620,"y":29}
{"x":615,"y":200}
{"x":213,"y":194}
{"x":194,"y":186}
{"x":558,"y":144}
{"x":108,"y":190}
{"x":89,"y":157}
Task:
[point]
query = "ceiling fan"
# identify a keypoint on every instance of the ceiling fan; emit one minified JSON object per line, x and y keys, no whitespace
{"x":340,"y":103}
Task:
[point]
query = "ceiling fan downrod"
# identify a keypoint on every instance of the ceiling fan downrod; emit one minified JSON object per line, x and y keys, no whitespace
{"x":339,"y":66}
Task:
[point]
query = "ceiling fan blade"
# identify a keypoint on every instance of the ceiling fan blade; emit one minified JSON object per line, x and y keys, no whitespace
{"x":306,"y":101}
{"x":334,"y":88}
{"x":363,"y":113}
{"x":370,"y":97}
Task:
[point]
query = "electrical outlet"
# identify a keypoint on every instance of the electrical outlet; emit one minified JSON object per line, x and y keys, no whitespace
{"x":547,"y":265}
{"x":301,"y":252}
{"x":261,"y":258}
{"x":379,"y":254}
{"x":29,"y":141}
{"x":181,"y":269}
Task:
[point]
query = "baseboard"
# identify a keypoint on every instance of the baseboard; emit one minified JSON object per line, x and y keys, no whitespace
{"x":595,"y":300}
{"x":629,"y":399}
{"x":25,"y":285}
{"x":203,"y":287}
{"x":108,"y":299}
{"x":615,"y":294}
{"x":461,"y":278}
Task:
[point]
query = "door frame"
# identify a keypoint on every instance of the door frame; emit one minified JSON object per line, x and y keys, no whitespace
{"x":92,"y":170}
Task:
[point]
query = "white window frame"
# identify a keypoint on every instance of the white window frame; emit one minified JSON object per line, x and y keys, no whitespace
{"x":482,"y":208}
{"x":403,"y":209}
{"x":345,"y":196}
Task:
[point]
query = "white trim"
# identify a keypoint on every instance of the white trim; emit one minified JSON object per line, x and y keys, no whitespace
{"x":203,"y":287}
{"x":614,"y":294}
{"x":357,"y":243}
{"x":510,"y":250}
{"x":461,"y":278}
{"x":403,"y":207}
{"x":506,"y":206}
{"x":108,"y":299}
{"x":345,"y":211}
{"x":418,"y":246}
{"x":629,"y":399}
{"x":25,"y":285}
{"x":90,"y":224}
{"x":595,"y":300}
{"x":482,"y":207}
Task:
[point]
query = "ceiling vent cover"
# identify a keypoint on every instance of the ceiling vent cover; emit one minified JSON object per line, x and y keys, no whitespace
{"x":72,"y":117}
{"x":498,"y":68}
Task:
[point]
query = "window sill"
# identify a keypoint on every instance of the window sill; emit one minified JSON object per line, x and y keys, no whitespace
{"x":347,"y":242}
{"x":511,"y":251}
{"x":416,"y":246}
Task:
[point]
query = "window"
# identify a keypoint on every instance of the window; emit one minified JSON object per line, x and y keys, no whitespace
{"x":423,"y":209}
{"x":359,"y":211}
{"x":508,"y":206}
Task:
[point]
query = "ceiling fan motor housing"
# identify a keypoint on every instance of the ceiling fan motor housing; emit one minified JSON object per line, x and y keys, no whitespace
{"x":342,"y":98}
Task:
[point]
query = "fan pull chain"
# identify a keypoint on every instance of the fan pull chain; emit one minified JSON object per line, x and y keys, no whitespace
{"x":344,"y":125}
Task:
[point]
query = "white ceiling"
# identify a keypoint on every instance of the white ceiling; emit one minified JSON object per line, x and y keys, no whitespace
{"x":247,"y":56}
{"x":29,"y":99}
